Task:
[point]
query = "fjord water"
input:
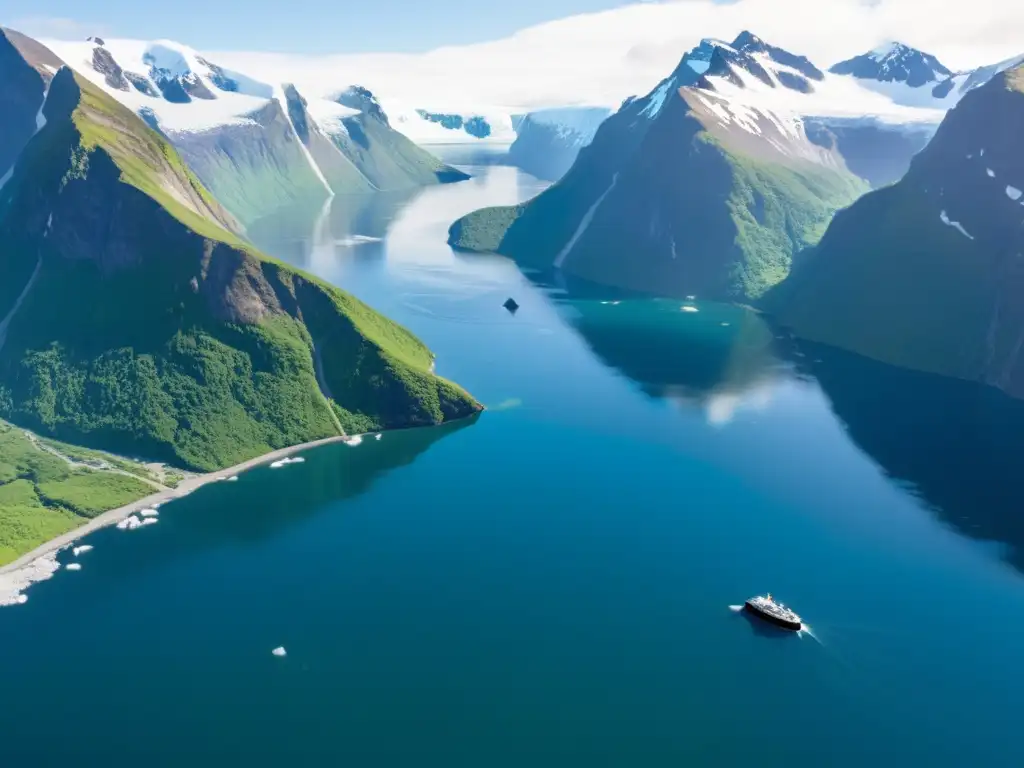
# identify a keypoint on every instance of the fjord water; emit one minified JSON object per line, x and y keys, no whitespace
{"x":553,"y":582}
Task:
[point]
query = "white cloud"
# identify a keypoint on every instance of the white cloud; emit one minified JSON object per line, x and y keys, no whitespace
{"x":601,"y":58}
{"x":59,"y":28}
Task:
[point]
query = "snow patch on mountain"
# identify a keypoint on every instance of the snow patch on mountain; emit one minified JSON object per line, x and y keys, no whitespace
{"x":145,"y":59}
{"x":330,"y":115}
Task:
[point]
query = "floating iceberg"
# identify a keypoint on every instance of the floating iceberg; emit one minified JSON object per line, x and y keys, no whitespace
{"x":285,"y":462}
{"x":130,"y":523}
{"x":14,"y":583}
{"x":279,"y":651}
{"x":76,"y":551}
{"x":73,"y":567}
{"x":148,"y":512}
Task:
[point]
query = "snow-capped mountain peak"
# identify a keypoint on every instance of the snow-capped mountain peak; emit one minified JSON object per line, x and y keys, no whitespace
{"x":362,"y":99}
{"x":894,"y":62}
{"x":748,"y":54}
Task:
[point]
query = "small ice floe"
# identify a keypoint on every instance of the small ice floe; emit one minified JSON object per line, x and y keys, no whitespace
{"x":616,"y":303}
{"x":691,"y":298}
{"x":991,"y":173}
{"x":955,"y":225}
{"x":354,"y":440}
{"x":76,"y":551}
{"x":378,"y":436}
{"x":151,"y":512}
{"x":150,"y":521}
{"x":73,"y":567}
{"x":279,"y":651}
{"x":286,"y":461}
{"x":14,"y":583}
{"x":233,"y":479}
{"x":606,"y":302}
{"x":688,"y":308}
{"x":130,"y":523}
{"x":725,"y":325}
{"x":982,"y":153}
{"x":1013,"y":193}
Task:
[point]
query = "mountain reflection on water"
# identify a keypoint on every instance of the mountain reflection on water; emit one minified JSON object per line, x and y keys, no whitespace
{"x":345,"y":223}
{"x":715,"y":356}
{"x":956,"y":444}
{"x":953,"y":444}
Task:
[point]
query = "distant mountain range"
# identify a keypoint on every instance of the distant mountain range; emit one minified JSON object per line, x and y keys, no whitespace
{"x":257,"y":146}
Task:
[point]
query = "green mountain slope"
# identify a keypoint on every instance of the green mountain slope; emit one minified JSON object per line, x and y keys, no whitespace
{"x":929,"y":273}
{"x":254,"y":168}
{"x":145,"y":326}
{"x":681,"y":192}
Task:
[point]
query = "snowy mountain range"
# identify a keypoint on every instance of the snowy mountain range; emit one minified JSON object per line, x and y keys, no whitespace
{"x":878,"y":109}
{"x":713,"y":181}
{"x":257,"y":145}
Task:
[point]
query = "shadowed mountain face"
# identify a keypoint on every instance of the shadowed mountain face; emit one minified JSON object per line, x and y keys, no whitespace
{"x":957,"y":444}
{"x":25,"y":72}
{"x":929,"y":273}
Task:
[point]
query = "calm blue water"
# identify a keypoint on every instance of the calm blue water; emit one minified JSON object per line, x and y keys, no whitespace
{"x":551,"y":584}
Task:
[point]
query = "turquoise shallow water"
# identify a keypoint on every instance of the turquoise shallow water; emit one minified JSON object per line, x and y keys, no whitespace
{"x":552,"y":583}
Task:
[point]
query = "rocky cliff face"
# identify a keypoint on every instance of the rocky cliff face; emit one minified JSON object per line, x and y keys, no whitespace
{"x":929,"y":273}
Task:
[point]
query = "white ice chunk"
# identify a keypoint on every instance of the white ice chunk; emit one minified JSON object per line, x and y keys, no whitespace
{"x":1013,"y":193}
{"x":956,"y":225}
{"x":73,"y":566}
{"x":279,"y":651}
{"x":130,"y":523}
{"x":76,"y":551}
{"x":14,"y":583}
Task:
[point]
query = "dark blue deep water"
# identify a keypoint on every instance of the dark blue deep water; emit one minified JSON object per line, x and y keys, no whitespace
{"x":551,"y":585}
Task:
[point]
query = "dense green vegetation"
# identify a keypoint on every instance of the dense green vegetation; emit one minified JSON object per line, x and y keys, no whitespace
{"x":42,"y":496}
{"x":778,"y":211}
{"x":153,"y":331}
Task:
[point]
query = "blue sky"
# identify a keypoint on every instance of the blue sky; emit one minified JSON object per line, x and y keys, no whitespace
{"x":312,"y":26}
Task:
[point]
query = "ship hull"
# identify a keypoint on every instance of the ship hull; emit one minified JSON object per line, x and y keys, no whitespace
{"x":778,"y":621}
